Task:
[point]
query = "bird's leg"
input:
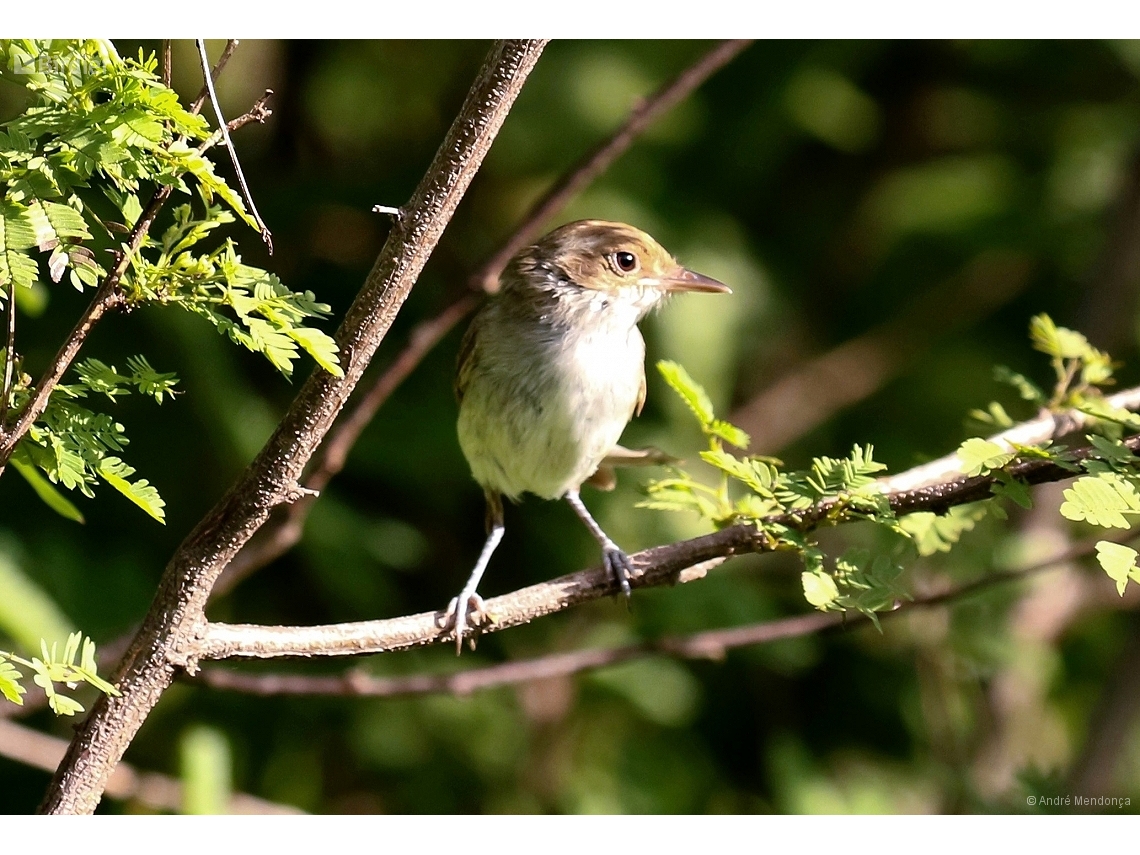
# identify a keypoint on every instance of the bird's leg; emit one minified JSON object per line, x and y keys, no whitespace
{"x":468,"y":602}
{"x":616,"y":561}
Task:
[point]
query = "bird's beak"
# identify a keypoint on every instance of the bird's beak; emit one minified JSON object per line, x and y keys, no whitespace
{"x":686,"y":280}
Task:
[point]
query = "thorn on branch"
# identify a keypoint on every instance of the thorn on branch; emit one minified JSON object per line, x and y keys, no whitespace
{"x":395,"y":213}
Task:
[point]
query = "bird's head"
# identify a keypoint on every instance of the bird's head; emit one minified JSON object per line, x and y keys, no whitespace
{"x":602,"y":265}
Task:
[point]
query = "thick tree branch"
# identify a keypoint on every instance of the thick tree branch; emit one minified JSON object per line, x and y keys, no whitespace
{"x":170,"y":635}
{"x":286,"y":525}
{"x":159,"y":792}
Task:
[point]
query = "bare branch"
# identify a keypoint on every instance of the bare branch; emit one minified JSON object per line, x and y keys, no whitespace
{"x":170,"y":635}
{"x":155,"y":791}
{"x":599,"y":160}
{"x":662,"y":565}
{"x":166,"y":63}
{"x":207,"y":75}
{"x":204,"y":92}
{"x":9,"y":355}
{"x":259,"y":112}
{"x":710,"y":644}
{"x":1048,"y":426}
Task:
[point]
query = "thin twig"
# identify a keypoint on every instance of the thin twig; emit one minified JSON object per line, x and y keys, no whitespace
{"x":155,"y":791}
{"x":259,"y":112}
{"x":9,"y":356}
{"x":170,"y":635}
{"x":207,"y":75}
{"x":599,"y":160}
{"x":204,"y":92}
{"x":286,"y":526}
{"x":166,"y":63}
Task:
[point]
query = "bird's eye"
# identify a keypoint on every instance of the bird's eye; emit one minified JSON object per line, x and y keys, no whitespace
{"x":626,"y":261}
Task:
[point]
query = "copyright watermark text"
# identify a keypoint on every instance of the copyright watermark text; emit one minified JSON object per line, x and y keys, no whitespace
{"x":1079,"y":801}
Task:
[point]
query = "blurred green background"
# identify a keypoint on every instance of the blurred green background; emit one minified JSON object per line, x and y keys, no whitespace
{"x":902,"y":206}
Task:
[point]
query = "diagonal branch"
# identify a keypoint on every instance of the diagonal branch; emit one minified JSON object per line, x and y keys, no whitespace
{"x":599,"y":160}
{"x":170,"y":633}
{"x":710,"y":644}
{"x":285,"y":526}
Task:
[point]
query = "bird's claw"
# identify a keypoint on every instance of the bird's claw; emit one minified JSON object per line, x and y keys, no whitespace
{"x":618,"y":566}
{"x":466,"y":620}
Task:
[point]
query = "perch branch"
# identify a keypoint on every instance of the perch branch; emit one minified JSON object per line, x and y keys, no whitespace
{"x":710,"y":644}
{"x":661,"y":565}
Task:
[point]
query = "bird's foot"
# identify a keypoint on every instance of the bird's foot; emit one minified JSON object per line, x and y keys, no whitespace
{"x":618,"y":565}
{"x":466,"y":618}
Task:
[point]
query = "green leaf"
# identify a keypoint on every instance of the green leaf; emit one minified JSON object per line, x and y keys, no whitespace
{"x":1058,"y":342}
{"x":10,"y":678}
{"x":48,"y":494}
{"x":1026,"y":388}
{"x":1101,"y":500}
{"x":932,"y":533}
{"x":691,"y":392}
{"x":819,"y":589}
{"x":320,"y":346}
{"x":978,"y":456}
{"x":730,"y":433}
{"x":115,"y":472}
{"x":1115,"y":452}
{"x":1119,"y":562}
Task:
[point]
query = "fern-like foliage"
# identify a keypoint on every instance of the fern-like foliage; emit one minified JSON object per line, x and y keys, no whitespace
{"x":99,"y":138}
{"x":52,"y":669}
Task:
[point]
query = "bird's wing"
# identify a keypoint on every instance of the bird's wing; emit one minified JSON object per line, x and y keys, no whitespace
{"x":640,"y":393}
{"x":466,"y":361}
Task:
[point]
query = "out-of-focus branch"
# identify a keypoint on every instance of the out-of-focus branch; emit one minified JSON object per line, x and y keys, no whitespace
{"x":710,"y":644}
{"x":286,"y":525}
{"x":598,"y":161}
{"x":159,"y":792}
{"x":170,"y":633}
{"x":1095,"y":767}
{"x":813,"y":392}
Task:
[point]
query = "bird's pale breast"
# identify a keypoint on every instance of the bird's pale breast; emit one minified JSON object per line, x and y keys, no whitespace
{"x":540,"y":411}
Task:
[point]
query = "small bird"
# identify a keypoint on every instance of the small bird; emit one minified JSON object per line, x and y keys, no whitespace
{"x":551,"y":371}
